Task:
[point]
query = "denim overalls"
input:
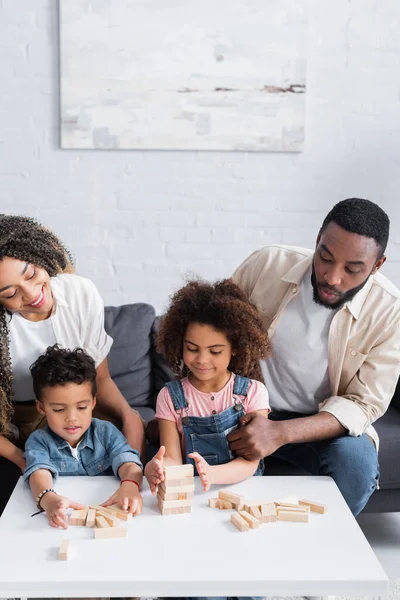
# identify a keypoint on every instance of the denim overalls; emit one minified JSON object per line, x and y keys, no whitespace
{"x":207,"y":435}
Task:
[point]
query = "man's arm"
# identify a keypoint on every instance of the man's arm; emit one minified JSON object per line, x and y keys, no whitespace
{"x":12,"y":452}
{"x":112,"y":402}
{"x":259,"y":437}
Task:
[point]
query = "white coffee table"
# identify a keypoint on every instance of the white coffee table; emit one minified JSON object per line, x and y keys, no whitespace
{"x":197,"y":554}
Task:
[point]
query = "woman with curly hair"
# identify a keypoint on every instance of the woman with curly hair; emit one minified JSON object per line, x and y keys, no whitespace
{"x":43,"y":302}
{"x":213,"y":339}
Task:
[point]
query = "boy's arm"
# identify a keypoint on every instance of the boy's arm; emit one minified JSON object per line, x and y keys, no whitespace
{"x":12,"y":452}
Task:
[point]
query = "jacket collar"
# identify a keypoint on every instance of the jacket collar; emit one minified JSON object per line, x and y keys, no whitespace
{"x":86,"y":442}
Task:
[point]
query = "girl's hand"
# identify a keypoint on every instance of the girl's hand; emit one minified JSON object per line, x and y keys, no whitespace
{"x":204,"y":470}
{"x":154,"y":470}
{"x":55,"y":507}
{"x":127,"y":497}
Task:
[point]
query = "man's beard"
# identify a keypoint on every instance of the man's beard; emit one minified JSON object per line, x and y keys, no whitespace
{"x":342,"y":298}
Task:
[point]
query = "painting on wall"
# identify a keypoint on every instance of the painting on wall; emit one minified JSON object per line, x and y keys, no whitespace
{"x":183,"y":74}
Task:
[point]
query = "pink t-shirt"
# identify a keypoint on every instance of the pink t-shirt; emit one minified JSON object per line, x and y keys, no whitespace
{"x":202,"y":404}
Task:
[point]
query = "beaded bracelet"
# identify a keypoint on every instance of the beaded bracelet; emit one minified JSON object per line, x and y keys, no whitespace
{"x":130,"y":481}
{"x":40,"y":496}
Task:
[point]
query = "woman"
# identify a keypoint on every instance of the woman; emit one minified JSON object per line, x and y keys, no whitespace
{"x":43,"y":302}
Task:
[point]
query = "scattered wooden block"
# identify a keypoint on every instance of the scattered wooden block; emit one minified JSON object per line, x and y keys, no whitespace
{"x":91,"y":517}
{"x":66,"y":551}
{"x":224,"y":504}
{"x":268,"y":513}
{"x":112,"y":520}
{"x":124,"y":515}
{"x":213,"y":502}
{"x":281,"y":507}
{"x":252,"y":521}
{"x":78,"y":517}
{"x":314,"y":506}
{"x":110,"y":532}
{"x":255,"y":512}
{"x":229,"y":497}
{"x":239,"y":522}
{"x":287,"y":515}
{"x":102,"y":523}
{"x":178,"y":472}
{"x":286,"y":504}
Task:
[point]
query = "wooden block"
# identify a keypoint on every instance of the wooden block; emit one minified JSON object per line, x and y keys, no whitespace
{"x":112,"y":520}
{"x":234,"y":498}
{"x":91,"y":517}
{"x":257,"y":503}
{"x":110,"y":532}
{"x":78,"y":517}
{"x":315,"y":506}
{"x":177,"y":485}
{"x":173,"y":496}
{"x":268,"y":513}
{"x":102,"y":523}
{"x":239,"y":522}
{"x":287,"y":504}
{"x":66,"y":551}
{"x":175,"y":511}
{"x":174,"y":503}
{"x":281,"y":507}
{"x":124,"y":515}
{"x":287,"y":515}
{"x":178,"y":472}
{"x":255,"y":512}
{"x":252,"y":521}
{"x":224,"y":504}
{"x":213,"y":502}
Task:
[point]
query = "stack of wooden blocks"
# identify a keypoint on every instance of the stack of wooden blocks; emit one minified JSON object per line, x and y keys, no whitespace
{"x":175,"y":493}
{"x":250,"y":515}
{"x":104,"y":520}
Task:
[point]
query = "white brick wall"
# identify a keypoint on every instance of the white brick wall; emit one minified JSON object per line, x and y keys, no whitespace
{"x":138,"y":221}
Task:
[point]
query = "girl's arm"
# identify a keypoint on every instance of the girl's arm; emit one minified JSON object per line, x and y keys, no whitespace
{"x":169,"y":454}
{"x":12,"y":452}
{"x":235,"y":471}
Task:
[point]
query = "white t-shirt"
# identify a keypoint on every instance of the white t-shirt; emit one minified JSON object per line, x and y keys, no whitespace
{"x":77,"y":321}
{"x":296,"y":375}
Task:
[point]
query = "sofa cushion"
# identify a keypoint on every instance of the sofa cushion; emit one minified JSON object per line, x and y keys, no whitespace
{"x":129,"y":359}
{"x":388,"y":428}
{"x":396,"y":397}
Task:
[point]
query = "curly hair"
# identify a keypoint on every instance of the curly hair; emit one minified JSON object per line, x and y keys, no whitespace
{"x":58,"y":366}
{"x":226,"y":308}
{"x":28,"y":240}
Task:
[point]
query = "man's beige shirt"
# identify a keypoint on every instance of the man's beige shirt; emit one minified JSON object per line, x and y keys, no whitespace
{"x":364,"y":336}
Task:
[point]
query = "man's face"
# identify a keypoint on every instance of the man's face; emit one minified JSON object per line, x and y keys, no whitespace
{"x":343,"y":262}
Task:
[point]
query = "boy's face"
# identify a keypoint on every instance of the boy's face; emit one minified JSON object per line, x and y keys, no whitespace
{"x":68,"y":409}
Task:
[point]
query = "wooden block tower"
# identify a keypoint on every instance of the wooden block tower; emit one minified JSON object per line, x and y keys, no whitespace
{"x":175,"y":493}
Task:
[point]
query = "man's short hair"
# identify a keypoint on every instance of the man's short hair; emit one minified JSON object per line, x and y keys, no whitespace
{"x":58,"y":366}
{"x":362,"y":217}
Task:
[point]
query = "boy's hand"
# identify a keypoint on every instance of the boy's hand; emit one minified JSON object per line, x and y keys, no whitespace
{"x":154,"y":470}
{"x":127,"y":497}
{"x":55,"y":507}
{"x":204,"y":470}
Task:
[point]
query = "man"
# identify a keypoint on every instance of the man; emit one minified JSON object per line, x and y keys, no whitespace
{"x":335,"y":328}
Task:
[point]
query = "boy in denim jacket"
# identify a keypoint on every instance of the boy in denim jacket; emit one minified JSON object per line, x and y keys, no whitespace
{"x":74,"y":443}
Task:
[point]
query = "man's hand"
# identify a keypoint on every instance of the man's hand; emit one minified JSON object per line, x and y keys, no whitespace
{"x":55,"y":507}
{"x":204,"y":470}
{"x":154,"y":470}
{"x":127,"y":497}
{"x":256,"y":437}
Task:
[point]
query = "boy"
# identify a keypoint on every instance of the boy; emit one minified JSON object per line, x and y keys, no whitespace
{"x":73,"y":443}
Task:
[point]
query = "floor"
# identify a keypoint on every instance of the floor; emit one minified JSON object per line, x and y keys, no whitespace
{"x":383,"y":533}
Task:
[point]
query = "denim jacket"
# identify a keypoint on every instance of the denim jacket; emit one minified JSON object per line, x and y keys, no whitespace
{"x":102,"y":447}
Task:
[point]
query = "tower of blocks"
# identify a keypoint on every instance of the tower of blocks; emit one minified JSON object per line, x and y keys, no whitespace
{"x":175,"y":493}
{"x":250,"y":515}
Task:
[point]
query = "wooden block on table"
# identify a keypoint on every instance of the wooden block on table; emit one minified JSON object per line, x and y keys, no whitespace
{"x":268,"y":513}
{"x":177,"y":485}
{"x":233,"y":498}
{"x":287,"y":504}
{"x":91,"y":517}
{"x":281,"y":507}
{"x":252,"y":521}
{"x":178,"y":472}
{"x":224,"y":504}
{"x":102,"y":523}
{"x":174,"y":503}
{"x":239,"y":522}
{"x":124,"y":515}
{"x":298,"y":517}
{"x":110,"y":532}
{"x":314,"y":506}
{"x":78,"y":517}
{"x":66,"y":551}
{"x":213,"y":502}
{"x":175,"y":511}
{"x":112,"y":520}
{"x":173,"y":495}
{"x":255,"y":512}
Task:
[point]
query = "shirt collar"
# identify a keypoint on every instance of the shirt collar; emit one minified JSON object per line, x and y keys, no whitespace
{"x":297,"y":272}
{"x":86,"y":442}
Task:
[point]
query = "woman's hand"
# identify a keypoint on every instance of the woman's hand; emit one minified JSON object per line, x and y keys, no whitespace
{"x":154,"y":470}
{"x":55,"y":507}
{"x":204,"y":470}
{"x":128,"y":497}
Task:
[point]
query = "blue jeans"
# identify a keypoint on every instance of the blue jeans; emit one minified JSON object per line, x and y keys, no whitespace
{"x":352,"y":462}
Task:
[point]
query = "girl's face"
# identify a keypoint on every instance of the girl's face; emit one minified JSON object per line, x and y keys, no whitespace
{"x":25,"y":289}
{"x":206,"y":353}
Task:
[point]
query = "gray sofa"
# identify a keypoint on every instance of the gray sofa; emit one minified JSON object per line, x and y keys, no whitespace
{"x":140,"y":372}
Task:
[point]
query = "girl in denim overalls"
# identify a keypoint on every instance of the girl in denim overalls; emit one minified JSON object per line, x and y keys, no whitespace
{"x":212,"y":337}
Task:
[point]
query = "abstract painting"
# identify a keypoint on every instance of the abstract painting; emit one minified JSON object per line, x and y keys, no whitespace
{"x":183,"y":74}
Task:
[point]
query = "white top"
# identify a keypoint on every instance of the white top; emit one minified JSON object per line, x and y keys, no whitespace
{"x":77,"y":321}
{"x":296,"y":375}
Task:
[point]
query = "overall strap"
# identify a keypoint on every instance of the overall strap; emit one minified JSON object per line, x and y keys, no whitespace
{"x":177,"y":394}
{"x":241,"y":385}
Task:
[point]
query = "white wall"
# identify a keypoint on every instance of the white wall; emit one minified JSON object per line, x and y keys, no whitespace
{"x":138,"y":221}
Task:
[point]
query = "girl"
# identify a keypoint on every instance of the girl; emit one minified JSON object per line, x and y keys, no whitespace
{"x":212,"y":337}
